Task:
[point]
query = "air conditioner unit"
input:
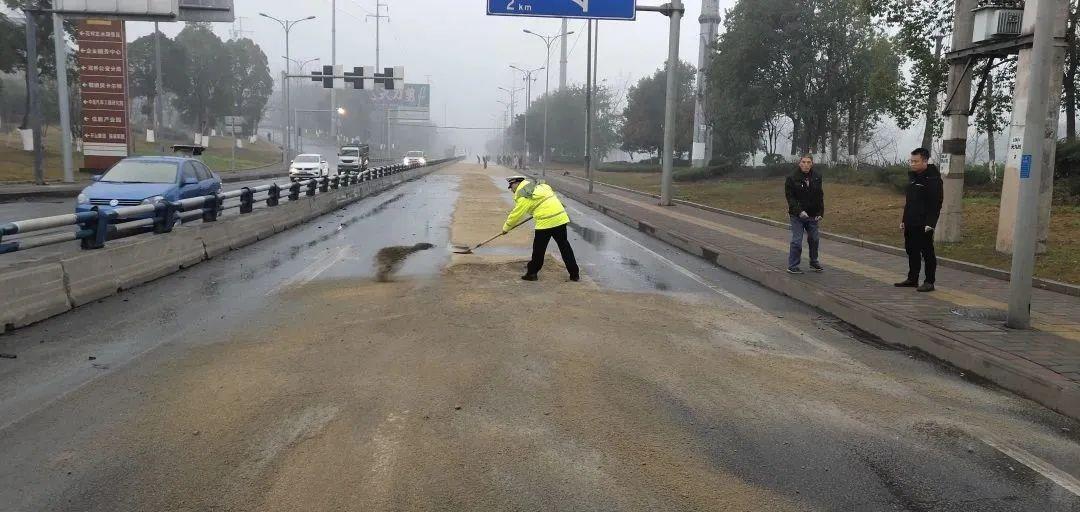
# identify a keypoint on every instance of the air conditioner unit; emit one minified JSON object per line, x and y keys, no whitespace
{"x":996,"y":22}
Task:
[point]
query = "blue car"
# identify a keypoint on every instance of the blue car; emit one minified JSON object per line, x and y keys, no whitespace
{"x":148,"y":179}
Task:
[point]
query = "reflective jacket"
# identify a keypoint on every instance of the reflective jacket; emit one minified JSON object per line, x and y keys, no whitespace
{"x":539,"y":201}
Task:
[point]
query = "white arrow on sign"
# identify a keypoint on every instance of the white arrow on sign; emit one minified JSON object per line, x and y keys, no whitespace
{"x":584,"y":4}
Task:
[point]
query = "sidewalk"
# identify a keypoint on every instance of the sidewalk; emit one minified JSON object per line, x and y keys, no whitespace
{"x":961,"y":323}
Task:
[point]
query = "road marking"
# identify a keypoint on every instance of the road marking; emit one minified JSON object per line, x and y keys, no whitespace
{"x":327,"y":260}
{"x":1040,"y":466}
{"x":717,"y":289}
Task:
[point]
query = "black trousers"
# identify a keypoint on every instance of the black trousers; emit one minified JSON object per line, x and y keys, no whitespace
{"x":540,"y":243}
{"x":920,"y":248}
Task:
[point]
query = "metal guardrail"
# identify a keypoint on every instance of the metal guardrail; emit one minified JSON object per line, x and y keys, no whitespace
{"x":104,"y":223}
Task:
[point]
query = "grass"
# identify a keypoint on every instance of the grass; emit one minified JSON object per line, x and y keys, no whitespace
{"x":16,"y":165}
{"x":873,"y":213}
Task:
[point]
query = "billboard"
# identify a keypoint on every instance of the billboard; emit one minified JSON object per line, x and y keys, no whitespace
{"x":102,"y":61}
{"x":132,"y":8}
{"x":412,"y":96}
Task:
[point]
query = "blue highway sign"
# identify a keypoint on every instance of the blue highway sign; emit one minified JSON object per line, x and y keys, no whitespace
{"x":591,"y":9}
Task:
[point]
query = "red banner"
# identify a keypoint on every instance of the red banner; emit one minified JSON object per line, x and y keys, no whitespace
{"x":103,"y":88}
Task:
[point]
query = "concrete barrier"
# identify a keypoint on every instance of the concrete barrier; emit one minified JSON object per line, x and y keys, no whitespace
{"x":123,"y":264}
{"x":31,"y":292}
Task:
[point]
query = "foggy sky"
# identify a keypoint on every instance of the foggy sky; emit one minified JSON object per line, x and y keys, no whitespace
{"x":464,"y":53}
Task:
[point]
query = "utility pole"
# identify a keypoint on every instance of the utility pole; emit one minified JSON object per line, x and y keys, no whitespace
{"x":34,"y":94}
{"x":1007,"y":236}
{"x":588,"y":106}
{"x":512,"y":91}
{"x":333,"y":62}
{"x":710,"y":22}
{"x":931,"y":99}
{"x":378,"y":18}
{"x":562,"y":57}
{"x":674,"y":11}
{"x":159,"y":88}
{"x":64,"y":104}
{"x":954,"y":146}
{"x":1027,"y":149}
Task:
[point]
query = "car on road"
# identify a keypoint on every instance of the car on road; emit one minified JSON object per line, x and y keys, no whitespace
{"x":414,"y":157}
{"x":308,"y":165}
{"x":148,"y":179}
{"x":353,"y":158}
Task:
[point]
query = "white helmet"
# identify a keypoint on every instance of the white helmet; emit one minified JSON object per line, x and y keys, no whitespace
{"x":516,"y":178}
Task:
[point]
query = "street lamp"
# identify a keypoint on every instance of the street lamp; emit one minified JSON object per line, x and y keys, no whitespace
{"x":528,"y":99}
{"x":301,"y":64}
{"x":548,"y":40}
{"x":287,"y":25}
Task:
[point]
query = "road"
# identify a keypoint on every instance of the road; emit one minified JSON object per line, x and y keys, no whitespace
{"x":284,"y":377}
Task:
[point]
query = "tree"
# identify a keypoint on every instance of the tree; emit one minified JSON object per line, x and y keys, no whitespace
{"x":643,"y":119}
{"x":823,"y":64}
{"x":14,"y":42}
{"x":251,"y":81}
{"x":203,"y":92}
{"x":142,"y":68}
{"x":566,"y":124}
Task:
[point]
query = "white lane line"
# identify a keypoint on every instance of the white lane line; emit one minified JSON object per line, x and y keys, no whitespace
{"x":327,"y":260}
{"x":1038,"y":465}
{"x":718,"y":290}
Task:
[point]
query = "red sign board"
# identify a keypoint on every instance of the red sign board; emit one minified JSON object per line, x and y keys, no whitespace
{"x":103,"y":88}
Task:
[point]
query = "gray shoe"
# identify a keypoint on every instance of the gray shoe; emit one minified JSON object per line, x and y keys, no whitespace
{"x":926,"y":287}
{"x":795,"y":270}
{"x":816,"y":266}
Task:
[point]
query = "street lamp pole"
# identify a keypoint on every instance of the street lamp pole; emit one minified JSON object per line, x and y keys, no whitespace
{"x":528,"y":99}
{"x":512,"y":91}
{"x":548,"y":40}
{"x":287,"y":25}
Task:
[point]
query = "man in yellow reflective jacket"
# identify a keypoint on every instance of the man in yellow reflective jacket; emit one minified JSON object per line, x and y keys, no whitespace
{"x":538,"y":200}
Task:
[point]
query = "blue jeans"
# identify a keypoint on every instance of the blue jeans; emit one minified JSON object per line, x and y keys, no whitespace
{"x":798,"y":226}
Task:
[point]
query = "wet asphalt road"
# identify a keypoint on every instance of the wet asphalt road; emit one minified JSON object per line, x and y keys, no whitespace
{"x":49,"y":399}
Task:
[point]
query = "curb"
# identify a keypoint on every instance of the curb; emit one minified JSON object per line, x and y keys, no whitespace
{"x":41,"y":289}
{"x":974,"y":268}
{"x":1008,"y":371}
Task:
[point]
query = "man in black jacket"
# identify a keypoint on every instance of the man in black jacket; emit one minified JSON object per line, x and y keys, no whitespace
{"x":921,"y":210}
{"x":806,"y":205}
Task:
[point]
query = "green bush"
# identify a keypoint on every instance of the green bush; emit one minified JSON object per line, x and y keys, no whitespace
{"x":1067,"y":161}
{"x":694,"y":173}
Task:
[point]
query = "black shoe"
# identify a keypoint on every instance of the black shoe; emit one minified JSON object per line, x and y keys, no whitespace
{"x":926,"y":287}
{"x":795,"y":270}
{"x":575,"y":278}
{"x":530,"y":277}
{"x":816,"y":266}
{"x":907,"y":283}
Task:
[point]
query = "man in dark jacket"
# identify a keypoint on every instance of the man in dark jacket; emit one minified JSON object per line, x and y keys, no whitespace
{"x":806,"y":206}
{"x":921,"y":210}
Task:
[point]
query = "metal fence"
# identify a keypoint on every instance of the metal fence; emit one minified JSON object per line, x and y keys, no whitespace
{"x":94,"y":228}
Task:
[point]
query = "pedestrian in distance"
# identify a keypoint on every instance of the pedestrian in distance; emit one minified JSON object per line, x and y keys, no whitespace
{"x":477,"y":159}
{"x":806,"y":206}
{"x":485,"y":161}
{"x":925,"y":193}
{"x":550,"y":217}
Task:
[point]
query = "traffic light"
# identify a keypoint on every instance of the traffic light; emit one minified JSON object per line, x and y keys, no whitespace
{"x":326,"y":77}
{"x":389,"y":76}
{"x":356,"y":78}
